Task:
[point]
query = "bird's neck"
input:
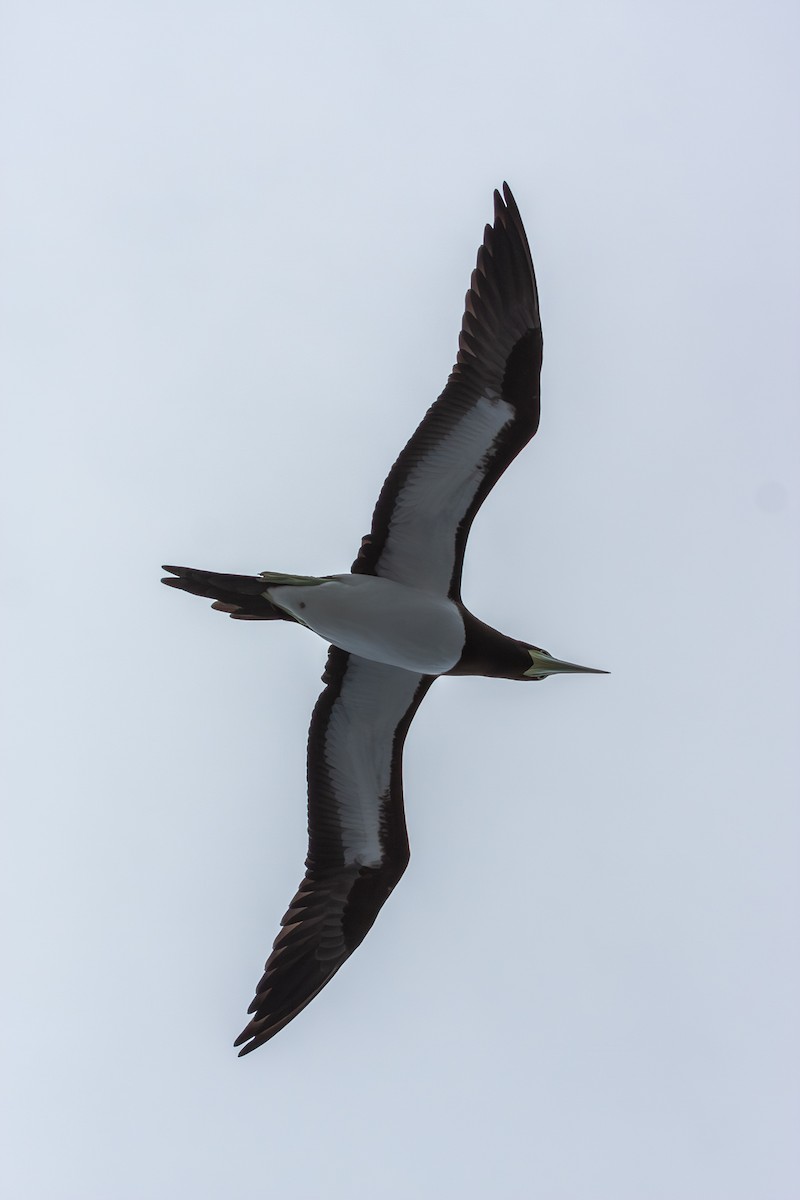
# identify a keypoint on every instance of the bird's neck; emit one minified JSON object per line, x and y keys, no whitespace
{"x":489,"y":652}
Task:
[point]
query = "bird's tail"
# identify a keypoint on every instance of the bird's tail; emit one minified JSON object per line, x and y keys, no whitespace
{"x":241,"y":596}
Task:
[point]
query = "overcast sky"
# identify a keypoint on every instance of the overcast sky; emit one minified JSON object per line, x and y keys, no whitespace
{"x":236,"y":240}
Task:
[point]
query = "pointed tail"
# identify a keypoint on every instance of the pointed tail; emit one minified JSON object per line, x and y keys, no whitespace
{"x":241,"y":596}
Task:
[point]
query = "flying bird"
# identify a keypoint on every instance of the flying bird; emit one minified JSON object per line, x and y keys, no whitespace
{"x":395,"y":623}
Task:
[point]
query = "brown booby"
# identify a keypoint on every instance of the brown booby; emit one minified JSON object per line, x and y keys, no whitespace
{"x":395,"y":623}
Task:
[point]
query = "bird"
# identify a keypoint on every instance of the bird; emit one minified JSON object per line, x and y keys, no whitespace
{"x":395,"y":623}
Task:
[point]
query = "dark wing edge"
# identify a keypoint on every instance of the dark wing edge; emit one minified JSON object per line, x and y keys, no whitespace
{"x":499,"y":348}
{"x":338,"y":901}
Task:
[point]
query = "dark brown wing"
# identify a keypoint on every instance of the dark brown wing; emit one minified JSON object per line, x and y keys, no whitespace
{"x":486,"y":414}
{"x":358,"y":846}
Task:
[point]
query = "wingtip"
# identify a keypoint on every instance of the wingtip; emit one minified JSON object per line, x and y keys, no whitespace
{"x":250,"y":1040}
{"x":504,"y":198}
{"x":246,"y":1037}
{"x":251,"y":1045}
{"x":511,"y":203}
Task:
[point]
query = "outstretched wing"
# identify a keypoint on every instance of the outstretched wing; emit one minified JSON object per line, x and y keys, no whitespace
{"x":486,"y":414}
{"x":358,"y":846}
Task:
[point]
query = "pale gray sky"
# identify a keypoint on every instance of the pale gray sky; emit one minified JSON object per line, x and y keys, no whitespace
{"x":236,"y":240}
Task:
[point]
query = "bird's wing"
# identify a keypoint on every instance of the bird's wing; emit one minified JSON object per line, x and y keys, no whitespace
{"x":358,"y":847}
{"x":486,"y":414}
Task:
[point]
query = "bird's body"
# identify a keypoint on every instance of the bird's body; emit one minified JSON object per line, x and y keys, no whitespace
{"x":395,"y":623}
{"x":379,"y":619}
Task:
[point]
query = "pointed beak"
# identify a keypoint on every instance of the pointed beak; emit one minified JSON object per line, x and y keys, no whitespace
{"x":544,"y":664}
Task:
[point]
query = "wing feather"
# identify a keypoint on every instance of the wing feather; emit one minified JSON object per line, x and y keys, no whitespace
{"x":358,"y":845}
{"x":487,"y":413}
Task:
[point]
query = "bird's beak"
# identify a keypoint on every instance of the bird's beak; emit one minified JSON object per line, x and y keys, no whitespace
{"x":544,"y":664}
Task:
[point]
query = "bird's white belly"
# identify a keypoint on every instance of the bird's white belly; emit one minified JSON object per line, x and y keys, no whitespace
{"x":379,"y":619}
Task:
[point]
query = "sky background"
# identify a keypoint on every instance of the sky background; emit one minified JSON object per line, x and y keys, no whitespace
{"x":235,"y":242}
